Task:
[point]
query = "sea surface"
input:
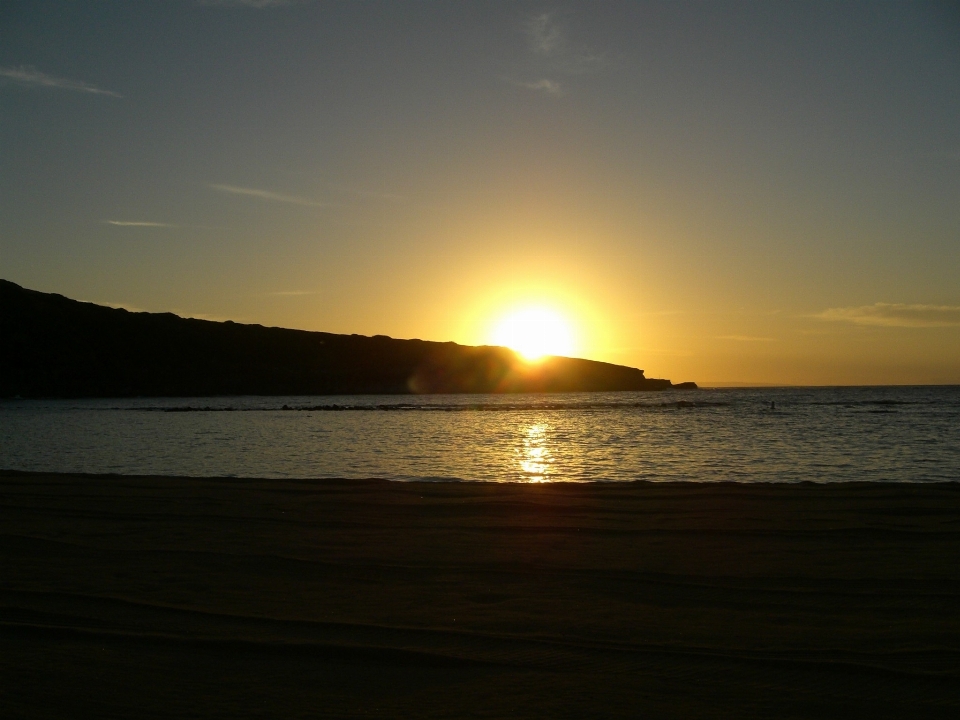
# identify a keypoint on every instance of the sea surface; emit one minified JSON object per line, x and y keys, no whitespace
{"x":900,"y":434}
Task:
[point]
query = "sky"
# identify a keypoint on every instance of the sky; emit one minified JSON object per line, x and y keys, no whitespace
{"x":737,"y":192}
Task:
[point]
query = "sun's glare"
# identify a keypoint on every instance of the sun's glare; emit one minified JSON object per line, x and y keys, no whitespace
{"x":534,"y":332}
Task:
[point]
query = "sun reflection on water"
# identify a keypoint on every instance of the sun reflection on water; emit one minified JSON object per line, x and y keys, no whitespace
{"x":534,"y":456}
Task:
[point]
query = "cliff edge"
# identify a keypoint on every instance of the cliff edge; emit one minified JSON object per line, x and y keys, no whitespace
{"x":51,"y":346}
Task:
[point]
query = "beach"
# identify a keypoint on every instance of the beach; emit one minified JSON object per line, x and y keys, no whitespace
{"x":127,"y":596}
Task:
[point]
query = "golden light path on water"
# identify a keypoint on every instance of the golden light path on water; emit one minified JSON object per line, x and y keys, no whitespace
{"x":535,"y":458}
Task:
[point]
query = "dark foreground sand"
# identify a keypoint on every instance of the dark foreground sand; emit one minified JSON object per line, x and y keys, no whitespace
{"x":158,"y":597}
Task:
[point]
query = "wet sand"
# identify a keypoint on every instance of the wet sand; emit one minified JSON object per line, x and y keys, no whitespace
{"x":159,"y":597}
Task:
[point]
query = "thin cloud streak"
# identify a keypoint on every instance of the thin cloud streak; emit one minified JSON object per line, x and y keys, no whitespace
{"x":292,"y":293}
{"x":895,"y":315}
{"x":550,"y":87}
{"x":267,"y":195}
{"x":547,"y":87}
{"x":138,"y":223}
{"x":28,"y":75}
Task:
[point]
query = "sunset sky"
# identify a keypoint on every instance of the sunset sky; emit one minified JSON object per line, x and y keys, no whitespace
{"x":724,"y":192}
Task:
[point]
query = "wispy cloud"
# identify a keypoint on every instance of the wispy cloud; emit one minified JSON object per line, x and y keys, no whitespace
{"x":138,"y":223}
{"x":28,"y":75}
{"x":292,"y":293}
{"x":548,"y":87}
{"x":544,"y":34}
{"x":895,"y":315}
{"x":267,"y":195}
{"x":553,"y":54}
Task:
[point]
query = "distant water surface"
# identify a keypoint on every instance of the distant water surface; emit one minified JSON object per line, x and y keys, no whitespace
{"x":901,"y":434}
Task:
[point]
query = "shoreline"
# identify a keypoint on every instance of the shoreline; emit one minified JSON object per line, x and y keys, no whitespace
{"x":163,"y":595}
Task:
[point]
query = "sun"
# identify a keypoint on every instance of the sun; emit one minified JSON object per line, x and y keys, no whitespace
{"x":534,"y":332}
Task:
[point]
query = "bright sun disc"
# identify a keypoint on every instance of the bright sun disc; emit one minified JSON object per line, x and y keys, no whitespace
{"x":534,"y":332}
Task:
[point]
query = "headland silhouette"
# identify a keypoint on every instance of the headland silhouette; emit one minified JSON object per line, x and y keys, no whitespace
{"x":57,"y":347}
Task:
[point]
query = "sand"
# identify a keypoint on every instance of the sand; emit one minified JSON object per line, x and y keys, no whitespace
{"x":158,"y":597}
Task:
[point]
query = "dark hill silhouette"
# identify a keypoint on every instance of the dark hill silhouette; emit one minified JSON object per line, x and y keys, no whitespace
{"x":51,"y":346}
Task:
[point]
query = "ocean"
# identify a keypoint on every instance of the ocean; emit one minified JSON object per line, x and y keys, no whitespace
{"x":839,"y":434}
